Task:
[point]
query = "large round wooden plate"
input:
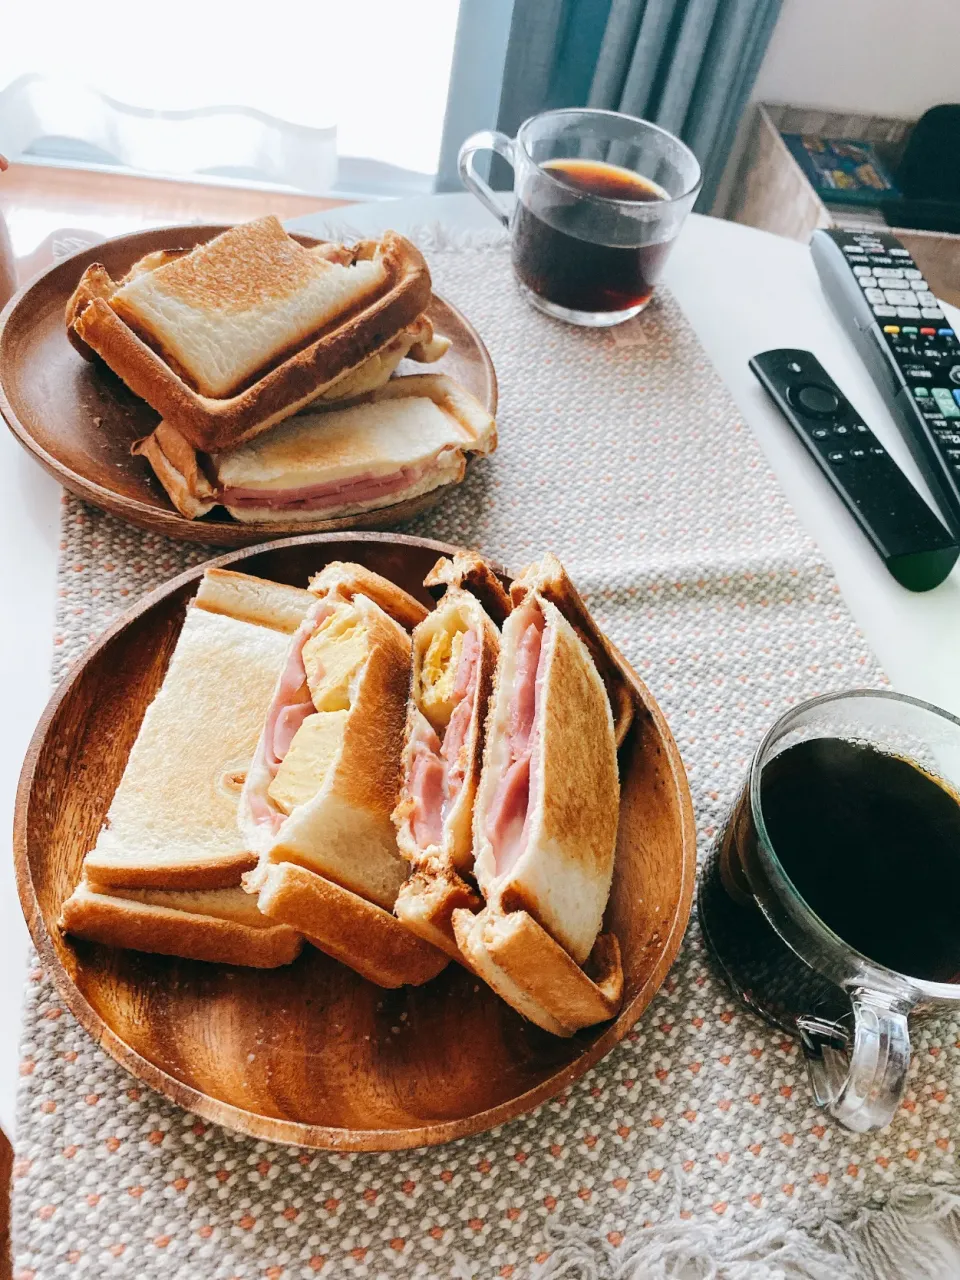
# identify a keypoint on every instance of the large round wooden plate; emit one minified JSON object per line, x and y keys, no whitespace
{"x":312,"y":1053}
{"x":79,"y":420}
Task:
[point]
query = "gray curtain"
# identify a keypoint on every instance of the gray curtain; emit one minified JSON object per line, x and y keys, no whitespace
{"x":688,"y":65}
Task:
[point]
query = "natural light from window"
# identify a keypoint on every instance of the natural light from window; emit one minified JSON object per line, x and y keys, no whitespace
{"x":376,"y":70}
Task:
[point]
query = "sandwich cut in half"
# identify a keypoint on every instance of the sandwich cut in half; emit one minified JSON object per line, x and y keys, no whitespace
{"x":165,"y":873}
{"x":545,"y":827}
{"x":325,"y":778}
{"x":410,"y":436}
{"x":231,"y":337}
{"x":455,"y":653}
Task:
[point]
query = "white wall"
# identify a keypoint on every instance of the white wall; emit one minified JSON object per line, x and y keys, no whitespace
{"x":883,"y":57}
{"x":876,"y":57}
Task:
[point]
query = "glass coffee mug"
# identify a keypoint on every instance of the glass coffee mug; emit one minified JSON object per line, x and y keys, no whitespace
{"x":831,"y":900}
{"x":601,"y":197}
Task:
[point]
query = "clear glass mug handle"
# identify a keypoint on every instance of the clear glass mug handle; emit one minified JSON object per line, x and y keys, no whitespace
{"x":486,"y":140}
{"x":860,"y":1078}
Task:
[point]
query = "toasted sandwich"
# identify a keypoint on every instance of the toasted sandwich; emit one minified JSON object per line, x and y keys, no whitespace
{"x":231,"y":337}
{"x":165,"y":873}
{"x":189,"y":478}
{"x":318,"y":798}
{"x":545,"y":822}
{"x":455,"y":653}
{"x":410,"y":436}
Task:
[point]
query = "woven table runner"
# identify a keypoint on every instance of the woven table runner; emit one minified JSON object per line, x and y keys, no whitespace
{"x":696,"y":1140}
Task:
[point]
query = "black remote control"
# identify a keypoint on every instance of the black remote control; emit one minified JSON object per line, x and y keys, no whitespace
{"x":905,"y":533}
{"x":885,"y":305}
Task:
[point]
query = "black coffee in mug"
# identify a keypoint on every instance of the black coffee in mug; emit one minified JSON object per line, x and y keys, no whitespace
{"x":560,"y":253}
{"x":830,"y":898}
{"x":589,"y":234}
{"x":872,"y":845}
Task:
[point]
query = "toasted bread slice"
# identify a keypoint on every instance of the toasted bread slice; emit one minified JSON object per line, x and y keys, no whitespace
{"x":470,"y":571}
{"x":177,"y":466}
{"x":350,"y":579}
{"x":239,"y":333}
{"x":546,"y":812}
{"x":347,"y":927}
{"x":410,"y":436}
{"x":548,"y":579}
{"x":172,"y":823}
{"x":222,"y":925}
{"x":536,"y":976}
{"x":325,"y":776}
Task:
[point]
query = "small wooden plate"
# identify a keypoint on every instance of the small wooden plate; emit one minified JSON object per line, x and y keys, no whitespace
{"x":79,"y":420}
{"x":311,"y":1053}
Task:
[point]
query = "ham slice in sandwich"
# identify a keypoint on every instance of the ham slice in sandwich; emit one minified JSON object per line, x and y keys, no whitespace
{"x":455,"y":653}
{"x":317,"y":801}
{"x":545,"y":823}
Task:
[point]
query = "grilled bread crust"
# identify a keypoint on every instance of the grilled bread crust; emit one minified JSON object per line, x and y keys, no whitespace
{"x":548,"y":579}
{"x":347,"y":927}
{"x":286,"y":385}
{"x":426,"y":903}
{"x":535,"y":975}
{"x":352,"y":579}
{"x":563,"y":875}
{"x":468,"y":570}
{"x":145,"y":926}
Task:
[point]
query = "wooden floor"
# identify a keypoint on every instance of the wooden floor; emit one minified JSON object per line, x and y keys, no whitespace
{"x":38,"y":200}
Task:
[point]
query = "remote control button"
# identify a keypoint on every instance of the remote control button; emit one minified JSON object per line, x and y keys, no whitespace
{"x":874,"y":295}
{"x":836,"y":456}
{"x":911,"y":273}
{"x":877,"y":451}
{"x":820,"y":433}
{"x":932,"y":313}
{"x":858,"y":453}
{"x":862,"y":429}
{"x":921,"y":392}
{"x":953,"y":455}
{"x":891,"y":328}
{"x":879,"y":258}
{"x":819,"y":402}
{"x":917,"y":371}
{"x":884,"y":311}
{"x":926,"y":299}
{"x":946,"y":333}
{"x":863,"y":271}
{"x":947,"y":405}
{"x":910,"y":329}
{"x":888,"y":273}
{"x":956,"y":396}
{"x":851,"y":248}
{"x":954,"y":375}
{"x":841,"y":430}
{"x":900,"y":297}
{"x":908,"y":313}
{"x":929,"y":333}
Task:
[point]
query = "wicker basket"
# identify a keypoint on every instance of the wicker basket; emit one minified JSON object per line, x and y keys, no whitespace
{"x":771,"y":191}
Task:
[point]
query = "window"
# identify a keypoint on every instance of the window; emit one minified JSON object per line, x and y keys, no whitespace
{"x":346,"y":97}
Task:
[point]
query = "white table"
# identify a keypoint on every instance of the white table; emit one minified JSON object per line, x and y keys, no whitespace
{"x":743,"y":291}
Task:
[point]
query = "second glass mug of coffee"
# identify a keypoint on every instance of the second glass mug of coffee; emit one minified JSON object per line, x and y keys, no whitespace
{"x":850,"y":1009}
{"x":600,"y":199}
